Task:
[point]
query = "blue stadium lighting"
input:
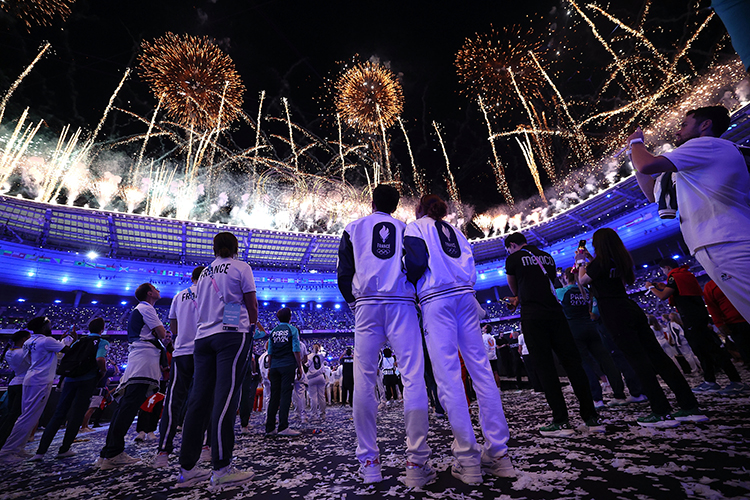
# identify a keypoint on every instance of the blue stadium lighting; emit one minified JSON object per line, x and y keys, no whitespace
{"x":31,"y":273}
{"x":283,"y":306}
{"x":645,"y":266}
{"x":94,"y":302}
{"x":482,"y":277}
{"x":675,"y":257}
{"x":265,"y":304}
{"x":124,"y":366}
{"x":92,"y":255}
{"x":58,"y":301}
{"x":65,"y":279}
{"x":127,"y":288}
{"x":337,"y":306}
{"x":488,"y":301}
{"x":318,"y":306}
{"x":501,"y":272}
{"x":124,"y":302}
{"x":99,"y":284}
{"x":302,"y":306}
{"x":21,"y":300}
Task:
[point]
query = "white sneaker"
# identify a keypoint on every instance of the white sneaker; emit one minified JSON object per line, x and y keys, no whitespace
{"x":229,"y":476}
{"x":640,"y":399}
{"x":151,"y":437}
{"x":86,"y":429}
{"x":370,"y":471}
{"x":206,"y":454}
{"x":120,"y":460}
{"x":469,"y":475}
{"x":418,"y":476}
{"x":37,"y":458}
{"x":192,"y":477}
{"x":500,"y":467}
{"x":599,"y":404}
{"x":289,"y":432}
{"x":161,"y":460}
{"x":244,"y":430}
{"x":617,"y":402}
{"x":98,"y":462}
{"x":140,"y":437}
{"x":66,"y":454}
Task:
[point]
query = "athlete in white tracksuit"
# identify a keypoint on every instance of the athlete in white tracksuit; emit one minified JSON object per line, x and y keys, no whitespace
{"x":372,"y":280}
{"x":300,"y":386}
{"x":263,"y":366}
{"x":439,"y":261}
{"x":316,"y":382}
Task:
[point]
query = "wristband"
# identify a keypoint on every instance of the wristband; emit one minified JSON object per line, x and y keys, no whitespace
{"x":633,"y":141}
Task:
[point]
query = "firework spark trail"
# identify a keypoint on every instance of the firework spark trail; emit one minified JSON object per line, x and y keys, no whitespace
{"x":98,"y":128}
{"x":452,"y":188}
{"x":497,"y":167}
{"x":291,"y":137}
{"x":528,"y":154}
{"x":606,"y":46}
{"x":20,"y":78}
{"x":16,"y":147}
{"x":418,"y":175}
{"x":369,"y":95}
{"x":63,"y":159}
{"x":145,"y":139}
{"x":583,"y":144}
{"x":40,"y":13}
{"x":341,"y":147}
{"x":257,"y":139}
{"x":543,"y":146}
{"x":386,"y":152}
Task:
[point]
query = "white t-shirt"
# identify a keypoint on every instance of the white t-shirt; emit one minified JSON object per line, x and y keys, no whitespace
{"x":522,"y":343}
{"x":233,"y":278}
{"x":713,"y":192}
{"x":184,"y":309}
{"x":19,"y":363}
{"x":490,"y":345}
{"x":264,"y":365}
{"x":316,"y":364}
{"x":42,"y":351}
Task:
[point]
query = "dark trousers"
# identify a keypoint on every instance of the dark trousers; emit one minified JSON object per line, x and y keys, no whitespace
{"x":15,"y":397}
{"x":347,"y":393}
{"x":75,"y":398}
{"x":589,"y":344}
{"x":282,"y":384}
{"x":548,"y":332}
{"x":711,"y":352}
{"x":220,"y":363}
{"x":390,"y":382}
{"x":127,"y":409}
{"x":740,"y":333}
{"x":180,"y":381}
{"x":528,"y":363}
{"x":631,"y":378}
{"x":628,"y":325}
{"x":432,"y":393}
{"x":249,"y":386}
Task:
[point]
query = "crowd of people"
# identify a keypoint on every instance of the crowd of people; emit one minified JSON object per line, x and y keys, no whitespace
{"x":215,"y":349}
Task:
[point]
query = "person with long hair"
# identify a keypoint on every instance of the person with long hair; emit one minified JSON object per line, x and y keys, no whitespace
{"x":608,"y":273}
{"x":440,"y":263}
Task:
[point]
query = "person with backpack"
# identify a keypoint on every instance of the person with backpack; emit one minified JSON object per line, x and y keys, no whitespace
{"x":83,"y":366}
{"x":42,"y":351}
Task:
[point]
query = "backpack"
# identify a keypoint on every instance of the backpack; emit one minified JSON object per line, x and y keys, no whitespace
{"x":80,"y":359}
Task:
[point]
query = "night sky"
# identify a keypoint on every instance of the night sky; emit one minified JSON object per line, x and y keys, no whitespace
{"x":293,"y":49}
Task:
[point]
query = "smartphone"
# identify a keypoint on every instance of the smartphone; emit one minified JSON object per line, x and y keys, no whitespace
{"x":582,"y":245}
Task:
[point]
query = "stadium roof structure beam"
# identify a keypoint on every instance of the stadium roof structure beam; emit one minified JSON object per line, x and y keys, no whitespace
{"x":311,"y":247}
{"x":113,"y":245}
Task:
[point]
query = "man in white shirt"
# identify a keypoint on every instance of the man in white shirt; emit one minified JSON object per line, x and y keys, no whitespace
{"x":300,"y":387}
{"x":141,"y":377}
{"x":372,"y":280}
{"x":41,"y":349}
{"x":490,"y":345}
{"x":713,"y":197}
{"x":227,"y":314}
{"x":183,"y":323}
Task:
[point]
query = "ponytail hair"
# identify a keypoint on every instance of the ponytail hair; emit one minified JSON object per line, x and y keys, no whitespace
{"x":433,"y":206}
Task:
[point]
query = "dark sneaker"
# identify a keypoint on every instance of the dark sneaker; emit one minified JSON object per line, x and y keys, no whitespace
{"x":660,"y":421}
{"x":693,"y":415}
{"x":593,"y":425}
{"x":562,"y":429}
{"x":707,"y":387}
{"x":734,"y":389}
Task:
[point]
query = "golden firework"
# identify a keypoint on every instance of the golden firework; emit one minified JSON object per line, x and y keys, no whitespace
{"x":369,"y":96}
{"x":485,"y":63}
{"x":195,"y":80}
{"x":37,"y":12}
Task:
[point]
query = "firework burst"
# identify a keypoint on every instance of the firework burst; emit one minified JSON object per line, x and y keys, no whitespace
{"x":37,"y":12}
{"x":368,"y":97}
{"x":195,"y":80}
{"x":486,"y":62}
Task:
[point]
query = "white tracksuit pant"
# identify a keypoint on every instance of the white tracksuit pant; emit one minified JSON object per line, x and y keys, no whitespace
{"x":451,"y":324}
{"x":374,"y":325}
{"x":316,"y":391}
{"x":380,"y":387}
{"x":266,"y":393}
{"x":33,"y":401}
{"x":298,"y":397}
